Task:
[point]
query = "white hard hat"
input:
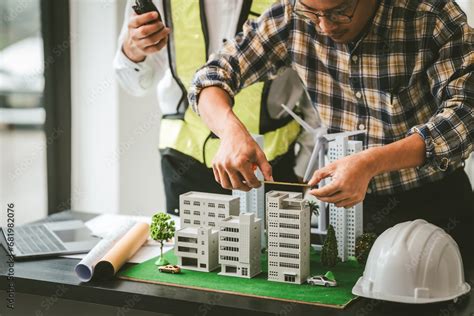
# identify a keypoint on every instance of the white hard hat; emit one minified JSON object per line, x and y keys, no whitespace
{"x":413,"y":262}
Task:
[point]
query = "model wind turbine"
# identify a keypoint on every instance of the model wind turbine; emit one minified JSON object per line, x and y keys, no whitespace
{"x":317,"y":160}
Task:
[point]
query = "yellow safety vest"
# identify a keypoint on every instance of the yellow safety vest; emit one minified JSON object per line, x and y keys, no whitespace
{"x":189,"y":135}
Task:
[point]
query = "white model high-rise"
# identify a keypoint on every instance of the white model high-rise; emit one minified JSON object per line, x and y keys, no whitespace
{"x":288,"y":229}
{"x":253,"y":201}
{"x":239,"y":245}
{"x":196,"y":243}
{"x":347,"y":222}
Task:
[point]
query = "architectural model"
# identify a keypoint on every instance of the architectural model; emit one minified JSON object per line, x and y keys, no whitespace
{"x":288,"y":228}
{"x":253,"y":201}
{"x":197,"y":242}
{"x":347,"y":222}
{"x":239,"y":245}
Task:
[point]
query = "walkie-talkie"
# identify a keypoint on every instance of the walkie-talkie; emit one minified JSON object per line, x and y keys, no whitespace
{"x":144,"y":6}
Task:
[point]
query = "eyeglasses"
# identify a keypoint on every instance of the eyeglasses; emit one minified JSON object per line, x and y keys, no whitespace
{"x":337,"y":16}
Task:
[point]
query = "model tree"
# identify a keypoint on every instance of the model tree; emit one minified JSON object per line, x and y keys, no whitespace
{"x":161,"y":229}
{"x":329,"y":250}
{"x":363,"y":245}
{"x":314,"y":208}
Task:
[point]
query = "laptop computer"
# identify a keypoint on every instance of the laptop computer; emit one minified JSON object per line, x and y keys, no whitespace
{"x":48,"y":239}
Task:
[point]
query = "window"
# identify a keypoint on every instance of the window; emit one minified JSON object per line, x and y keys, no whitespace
{"x":202,"y":252}
{"x":202,"y":242}
{"x":230,"y":229}
{"x":290,"y":226}
{"x":196,"y":222}
{"x":196,"y":203}
{"x":186,"y":202}
{"x":186,"y":212}
{"x":289,"y":255}
{"x":212,"y":224}
{"x":220,"y":206}
{"x":290,"y":216}
{"x":244,"y":271}
{"x":231,"y":239}
{"x":227,"y":248}
{"x":187,"y":221}
{"x":187,"y":249}
{"x":187,"y":239}
{"x":202,"y":265}
{"x":221,"y":216}
{"x":211,"y":214}
{"x":291,"y":246}
{"x":289,"y":265}
{"x":230,"y":258}
{"x":211,"y":205}
{"x":196,"y":213}
{"x":291,"y":236}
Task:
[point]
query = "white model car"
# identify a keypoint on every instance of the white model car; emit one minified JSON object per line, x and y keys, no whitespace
{"x":321,"y":280}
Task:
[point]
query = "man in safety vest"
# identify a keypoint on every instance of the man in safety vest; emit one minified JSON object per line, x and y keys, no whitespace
{"x":164,"y":50}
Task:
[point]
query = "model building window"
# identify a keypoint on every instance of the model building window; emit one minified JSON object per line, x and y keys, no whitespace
{"x":211,"y":204}
{"x":292,"y":236}
{"x":196,"y":213}
{"x":289,"y":265}
{"x":212,"y":224}
{"x":291,"y":246}
{"x":290,"y":226}
{"x":221,"y":206}
{"x":289,"y":255}
{"x":291,"y":216}
{"x":187,"y":212}
{"x":186,"y":202}
{"x":196,"y":203}
{"x":187,"y":221}
{"x":196,"y":222}
{"x":211,"y":214}
{"x":273,"y":214}
{"x":244,"y":271}
{"x":221,"y":216}
{"x":202,"y":265}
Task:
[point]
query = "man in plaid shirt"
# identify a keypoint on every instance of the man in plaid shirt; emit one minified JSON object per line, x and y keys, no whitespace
{"x":403,"y":70}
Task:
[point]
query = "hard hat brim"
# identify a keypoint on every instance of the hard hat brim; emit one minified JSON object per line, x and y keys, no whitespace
{"x":359,"y":291}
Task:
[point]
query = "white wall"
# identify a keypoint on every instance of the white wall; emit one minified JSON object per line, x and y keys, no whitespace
{"x":115,"y":164}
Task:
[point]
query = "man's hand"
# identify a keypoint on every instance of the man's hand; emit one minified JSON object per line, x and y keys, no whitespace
{"x":234,"y":162}
{"x":351,"y":175}
{"x":146,"y":35}
{"x":350,"y":178}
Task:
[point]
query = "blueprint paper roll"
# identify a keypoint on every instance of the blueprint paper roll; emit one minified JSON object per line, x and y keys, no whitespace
{"x":85,"y":268}
{"x":123,"y":250}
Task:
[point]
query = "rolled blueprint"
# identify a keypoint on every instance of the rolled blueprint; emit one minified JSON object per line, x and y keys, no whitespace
{"x":123,"y":250}
{"x":85,"y":268}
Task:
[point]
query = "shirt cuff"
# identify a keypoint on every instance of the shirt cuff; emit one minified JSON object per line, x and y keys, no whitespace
{"x":122,"y":61}
{"x":432,"y":160}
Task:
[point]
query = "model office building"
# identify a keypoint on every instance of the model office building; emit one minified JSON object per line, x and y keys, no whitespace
{"x":197,"y":242}
{"x":347,"y":222}
{"x":239,"y":245}
{"x":288,"y":230}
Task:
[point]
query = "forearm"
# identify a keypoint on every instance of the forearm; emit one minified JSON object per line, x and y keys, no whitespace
{"x":216,"y":111}
{"x":405,"y":153}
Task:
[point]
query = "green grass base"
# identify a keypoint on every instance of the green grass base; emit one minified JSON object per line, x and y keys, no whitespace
{"x":346,"y":274}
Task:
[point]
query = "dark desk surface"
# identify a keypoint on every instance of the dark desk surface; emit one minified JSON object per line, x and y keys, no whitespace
{"x":45,"y":277}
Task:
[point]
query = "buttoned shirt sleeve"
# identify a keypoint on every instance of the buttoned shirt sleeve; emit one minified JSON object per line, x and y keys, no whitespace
{"x":449,"y":134}
{"x":254,"y":55}
{"x":138,"y":78}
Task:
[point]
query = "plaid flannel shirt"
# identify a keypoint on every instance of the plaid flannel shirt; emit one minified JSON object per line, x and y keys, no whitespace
{"x":412,"y":71}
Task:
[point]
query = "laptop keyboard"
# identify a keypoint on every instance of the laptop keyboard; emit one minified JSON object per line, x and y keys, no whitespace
{"x":36,"y":239}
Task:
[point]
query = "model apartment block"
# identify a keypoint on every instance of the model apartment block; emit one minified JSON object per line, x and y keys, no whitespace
{"x":288,"y":233}
{"x":197,"y":242}
{"x":197,"y":248}
{"x":239,"y":245}
{"x":206,"y":209}
{"x":347,"y":222}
